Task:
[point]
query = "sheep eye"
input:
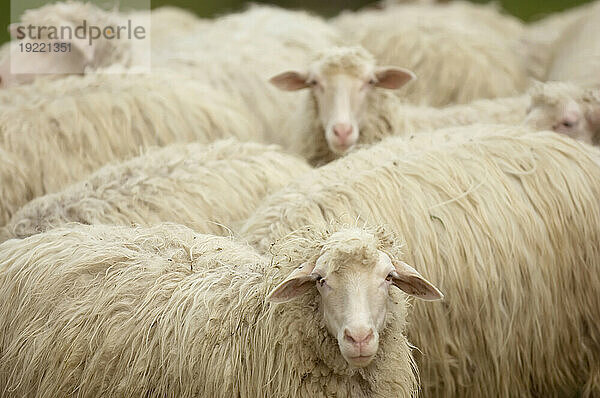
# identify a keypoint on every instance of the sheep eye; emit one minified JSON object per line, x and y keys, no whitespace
{"x":372,"y":82}
{"x":312,"y":83}
{"x":389,"y":277}
{"x":321,"y":281}
{"x":568,"y":124}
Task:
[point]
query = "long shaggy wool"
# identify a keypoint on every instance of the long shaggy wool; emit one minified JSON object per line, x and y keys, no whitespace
{"x":105,"y":311}
{"x":207,"y":188}
{"x":62,"y":130}
{"x":460,"y":52}
{"x":507,"y":224}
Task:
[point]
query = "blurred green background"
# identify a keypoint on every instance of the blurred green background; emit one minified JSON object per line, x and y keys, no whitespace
{"x":525,"y":9}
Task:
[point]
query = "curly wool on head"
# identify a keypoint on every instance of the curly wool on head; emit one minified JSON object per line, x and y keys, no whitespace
{"x":354,"y":61}
{"x":355,"y":240}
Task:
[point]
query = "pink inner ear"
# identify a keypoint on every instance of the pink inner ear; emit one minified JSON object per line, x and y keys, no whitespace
{"x":291,"y":289}
{"x":416,"y":286}
{"x":393,"y":78}
{"x":289,"y":81}
{"x":411,"y":282}
{"x":298,"y":282}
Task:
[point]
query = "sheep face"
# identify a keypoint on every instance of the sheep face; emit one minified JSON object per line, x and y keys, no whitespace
{"x":353,"y":278}
{"x":340,"y":81}
{"x":566,"y":110}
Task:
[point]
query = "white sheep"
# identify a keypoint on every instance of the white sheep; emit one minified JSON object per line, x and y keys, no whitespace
{"x":213,"y":53}
{"x":506,"y":223}
{"x":166,"y":312}
{"x":62,"y":130}
{"x":348,"y":106}
{"x":459,"y":51}
{"x":208,"y":188}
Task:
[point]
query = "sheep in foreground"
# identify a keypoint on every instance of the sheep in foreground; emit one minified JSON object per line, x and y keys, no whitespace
{"x":347,"y":108}
{"x":208,"y":188}
{"x":460,"y":52}
{"x":507,"y":222}
{"x":166,"y":312}
{"x":65,"y":129}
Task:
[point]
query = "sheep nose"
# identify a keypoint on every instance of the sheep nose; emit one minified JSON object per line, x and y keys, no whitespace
{"x":342,"y":131}
{"x":358,"y":337}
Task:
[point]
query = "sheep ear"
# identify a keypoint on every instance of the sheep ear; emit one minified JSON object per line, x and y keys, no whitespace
{"x":290,"y":81}
{"x":296,"y":284}
{"x":407,"y":279}
{"x":392,"y":77}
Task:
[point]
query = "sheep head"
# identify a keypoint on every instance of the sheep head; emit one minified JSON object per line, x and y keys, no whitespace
{"x":353,"y":275}
{"x":566,"y":109}
{"x":340,"y":80}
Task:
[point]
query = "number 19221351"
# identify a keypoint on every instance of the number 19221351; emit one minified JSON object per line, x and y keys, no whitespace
{"x":45,"y":47}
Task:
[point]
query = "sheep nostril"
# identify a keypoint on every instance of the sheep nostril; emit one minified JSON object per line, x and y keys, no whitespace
{"x":348,"y":337}
{"x":342,"y":131}
{"x":358,"y":339}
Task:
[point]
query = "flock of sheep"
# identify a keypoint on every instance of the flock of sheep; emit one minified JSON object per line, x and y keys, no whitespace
{"x":254,"y":217}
